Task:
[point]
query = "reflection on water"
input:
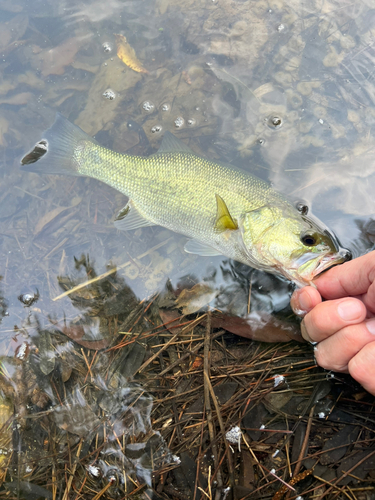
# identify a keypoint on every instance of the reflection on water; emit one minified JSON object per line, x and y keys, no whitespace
{"x":282,"y":89}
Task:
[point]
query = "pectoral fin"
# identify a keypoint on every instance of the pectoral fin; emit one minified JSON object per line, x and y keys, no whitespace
{"x":224,"y":219}
{"x":129,"y":218}
{"x":199,"y":248}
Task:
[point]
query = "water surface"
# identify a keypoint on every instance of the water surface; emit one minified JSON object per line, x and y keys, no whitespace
{"x":284,"y":90}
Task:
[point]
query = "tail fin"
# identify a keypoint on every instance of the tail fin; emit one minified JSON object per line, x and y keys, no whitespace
{"x":54,"y":153}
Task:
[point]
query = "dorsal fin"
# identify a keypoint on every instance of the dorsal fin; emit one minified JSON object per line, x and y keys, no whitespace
{"x":224,"y":219}
{"x":170,"y":144}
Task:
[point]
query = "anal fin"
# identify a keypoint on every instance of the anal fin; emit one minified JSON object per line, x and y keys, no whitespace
{"x":129,"y":218}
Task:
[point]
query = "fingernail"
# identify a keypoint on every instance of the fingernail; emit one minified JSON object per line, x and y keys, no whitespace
{"x":371,"y":326}
{"x":305,"y":301}
{"x":349,"y":310}
{"x":302,"y":303}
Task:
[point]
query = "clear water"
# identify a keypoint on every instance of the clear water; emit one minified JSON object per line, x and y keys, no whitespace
{"x":283,"y":89}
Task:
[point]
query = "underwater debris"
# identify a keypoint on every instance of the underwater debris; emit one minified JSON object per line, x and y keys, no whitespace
{"x":127,"y":55}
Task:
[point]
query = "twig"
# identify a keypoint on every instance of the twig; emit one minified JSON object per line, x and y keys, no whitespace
{"x":72,"y":474}
{"x":187,"y":354}
{"x":296,"y":479}
{"x":206,"y":371}
{"x":346,"y":474}
{"x":108,"y":273}
{"x":222,"y":428}
{"x":341,"y":490}
{"x":172,"y":339}
{"x":103,"y":490}
{"x":305,"y":442}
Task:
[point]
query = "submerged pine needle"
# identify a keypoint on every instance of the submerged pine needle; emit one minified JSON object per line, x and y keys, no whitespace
{"x":108,"y":273}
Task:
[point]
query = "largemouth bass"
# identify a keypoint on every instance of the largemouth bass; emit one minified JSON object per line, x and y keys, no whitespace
{"x":222,"y":209}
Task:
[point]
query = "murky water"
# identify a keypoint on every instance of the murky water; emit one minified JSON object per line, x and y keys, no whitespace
{"x":283,"y":89}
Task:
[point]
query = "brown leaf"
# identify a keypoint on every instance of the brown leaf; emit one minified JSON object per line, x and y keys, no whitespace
{"x":47,"y":218}
{"x":54,"y":60}
{"x":77,"y":332}
{"x":127,"y":55}
{"x":4,"y":126}
{"x":258,"y":326}
{"x":193,"y":299}
{"x":171,"y":319}
{"x":13,"y":30}
{"x":18,"y":99}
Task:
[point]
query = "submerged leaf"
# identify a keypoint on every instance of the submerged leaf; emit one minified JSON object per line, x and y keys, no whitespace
{"x":75,"y":415}
{"x":50,"y":216}
{"x":46,"y":353}
{"x":28,"y":490}
{"x":55,"y":60}
{"x":258,"y":326}
{"x":77,"y":332}
{"x":127,"y":55}
{"x":197,"y":297}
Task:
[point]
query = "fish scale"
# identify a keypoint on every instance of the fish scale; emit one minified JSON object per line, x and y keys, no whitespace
{"x":224,"y":210}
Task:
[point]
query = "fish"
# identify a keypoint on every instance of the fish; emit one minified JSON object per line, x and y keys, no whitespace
{"x":223,"y":210}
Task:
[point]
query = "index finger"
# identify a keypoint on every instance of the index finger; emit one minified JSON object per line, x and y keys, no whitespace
{"x":354,"y":278}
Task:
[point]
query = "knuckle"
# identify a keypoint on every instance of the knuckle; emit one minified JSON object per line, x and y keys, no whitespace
{"x":325,"y":360}
{"x":357,"y":370}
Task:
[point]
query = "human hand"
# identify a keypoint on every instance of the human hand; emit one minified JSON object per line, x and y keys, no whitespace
{"x":344,"y":324}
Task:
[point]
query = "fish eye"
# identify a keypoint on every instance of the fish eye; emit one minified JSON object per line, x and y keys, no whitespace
{"x":309,"y":240}
{"x":302,"y":207}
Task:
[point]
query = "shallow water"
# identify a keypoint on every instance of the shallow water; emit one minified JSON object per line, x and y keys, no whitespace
{"x":219,"y":72}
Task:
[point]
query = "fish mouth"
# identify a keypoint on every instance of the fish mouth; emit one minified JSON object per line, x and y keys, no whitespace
{"x":310,"y":265}
{"x":322,"y":264}
{"x":329,"y":261}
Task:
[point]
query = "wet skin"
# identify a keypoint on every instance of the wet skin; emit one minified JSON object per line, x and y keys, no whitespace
{"x":343,"y":325}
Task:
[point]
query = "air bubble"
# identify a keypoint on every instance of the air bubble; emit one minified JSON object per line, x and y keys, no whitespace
{"x":275,"y":122}
{"x":261,"y":141}
{"x":156,"y":129}
{"x":148,"y":106}
{"x":179,"y":121}
{"x":109,"y":94}
{"x":107,"y":47}
{"x":165,"y":107}
{"x":28,"y":299}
